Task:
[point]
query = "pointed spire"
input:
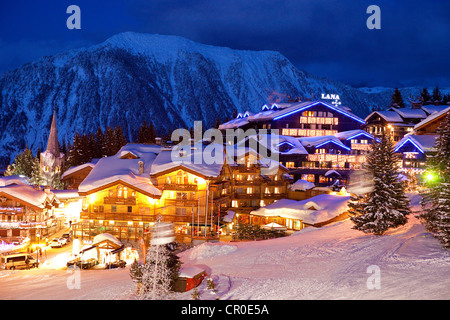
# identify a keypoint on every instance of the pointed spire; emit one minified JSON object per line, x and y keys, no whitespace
{"x":53,"y":144}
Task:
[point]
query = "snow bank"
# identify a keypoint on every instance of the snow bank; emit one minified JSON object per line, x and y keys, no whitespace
{"x":313,"y":210}
{"x":301,"y":185}
{"x":210,"y":250}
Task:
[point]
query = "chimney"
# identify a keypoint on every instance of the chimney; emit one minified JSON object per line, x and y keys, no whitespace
{"x":158,"y":141}
{"x":47,"y":189}
{"x":141,"y":167}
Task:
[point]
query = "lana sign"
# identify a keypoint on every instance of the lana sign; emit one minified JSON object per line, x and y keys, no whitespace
{"x":335,"y":97}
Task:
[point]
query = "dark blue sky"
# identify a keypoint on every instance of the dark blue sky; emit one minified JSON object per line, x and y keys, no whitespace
{"x":327,"y":38}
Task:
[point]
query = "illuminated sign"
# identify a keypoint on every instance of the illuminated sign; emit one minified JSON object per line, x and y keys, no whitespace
{"x":307,"y":132}
{"x":335,"y":97}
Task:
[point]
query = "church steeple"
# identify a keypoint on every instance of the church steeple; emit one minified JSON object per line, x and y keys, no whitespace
{"x":53,"y":144}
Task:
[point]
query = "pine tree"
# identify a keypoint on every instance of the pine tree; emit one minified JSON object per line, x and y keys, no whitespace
{"x":425,"y":97}
{"x":22,"y":165}
{"x":159,"y":272}
{"x":100,"y":138}
{"x":75,"y":156}
{"x":436,"y":199}
{"x":109,"y":142}
{"x":397,"y":99}
{"x":143,"y":133}
{"x":36,"y":178}
{"x":437,"y":95}
{"x":386,"y":206}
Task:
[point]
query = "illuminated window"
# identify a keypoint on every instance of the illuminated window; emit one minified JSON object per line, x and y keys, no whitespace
{"x":234,"y":203}
{"x":321,"y":151}
{"x":290,"y":164}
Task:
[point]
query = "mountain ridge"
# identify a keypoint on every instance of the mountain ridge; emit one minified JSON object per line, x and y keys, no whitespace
{"x":168,"y":80}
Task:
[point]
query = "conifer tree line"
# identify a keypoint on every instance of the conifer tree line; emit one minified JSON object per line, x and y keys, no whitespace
{"x":86,"y":147}
{"x":435,"y":97}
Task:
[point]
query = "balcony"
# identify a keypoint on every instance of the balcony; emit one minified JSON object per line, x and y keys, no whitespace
{"x":181,"y":202}
{"x":274,"y":195}
{"x":12,"y":210}
{"x":131,"y":201}
{"x":180,"y":187}
{"x":133,"y":217}
{"x":247,"y":195}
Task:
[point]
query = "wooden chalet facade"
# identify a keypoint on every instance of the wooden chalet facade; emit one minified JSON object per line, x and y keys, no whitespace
{"x":192,"y":196}
{"x":25,"y":211}
{"x":73,"y":177}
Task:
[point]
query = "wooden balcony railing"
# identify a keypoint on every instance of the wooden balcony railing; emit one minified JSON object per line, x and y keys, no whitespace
{"x":131,"y":201}
{"x":181,"y":202}
{"x":180,"y":187}
{"x":135,"y":217}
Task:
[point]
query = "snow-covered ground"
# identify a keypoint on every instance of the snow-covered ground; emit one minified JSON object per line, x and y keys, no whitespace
{"x":331,"y":262}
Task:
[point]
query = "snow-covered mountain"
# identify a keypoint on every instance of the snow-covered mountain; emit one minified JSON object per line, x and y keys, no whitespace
{"x":131,"y":77}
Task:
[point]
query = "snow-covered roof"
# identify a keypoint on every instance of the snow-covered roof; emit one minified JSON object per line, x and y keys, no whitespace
{"x":78,"y":168}
{"x":317,"y":142}
{"x":347,"y":135}
{"x":301,"y":185}
{"x":191,"y":159}
{"x":410,"y":113}
{"x":190,"y":271}
{"x":280,"y":110}
{"x":432,"y":117}
{"x":14,"y":179}
{"x":424,"y":142}
{"x":114,"y":169}
{"x":105,"y":236}
{"x":311,"y":211}
{"x":430,"y":109}
{"x":273,"y":143}
{"x":28,"y":194}
{"x":389,"y":116}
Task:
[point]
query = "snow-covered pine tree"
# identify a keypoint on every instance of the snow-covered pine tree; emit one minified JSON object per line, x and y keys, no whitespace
{"x":386,"y":206}
{"x":22,"y":164}
{"x":159,"y":272}
{"x":436,"y":199}
{"x":36,"y":178}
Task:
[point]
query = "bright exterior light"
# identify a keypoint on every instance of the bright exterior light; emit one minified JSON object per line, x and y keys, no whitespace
{"x":430,"y":176}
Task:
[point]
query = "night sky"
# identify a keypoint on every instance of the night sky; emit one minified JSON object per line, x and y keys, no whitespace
{"x":326,"y":38}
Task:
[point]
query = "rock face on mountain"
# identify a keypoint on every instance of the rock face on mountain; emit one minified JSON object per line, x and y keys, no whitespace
{"x":131,"y":77}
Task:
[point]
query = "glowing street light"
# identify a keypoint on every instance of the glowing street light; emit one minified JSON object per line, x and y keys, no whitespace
{"x":430,"y":176}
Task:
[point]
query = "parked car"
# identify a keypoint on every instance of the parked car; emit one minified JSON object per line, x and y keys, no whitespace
{"x":63,"y":240}
{"x":18,"y":261}
{"x":56,"y":243}
{"x":74,"y":263}
{"x":67,"y":236}
{"x":89,"y":263}
{"x":116,"y":264}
